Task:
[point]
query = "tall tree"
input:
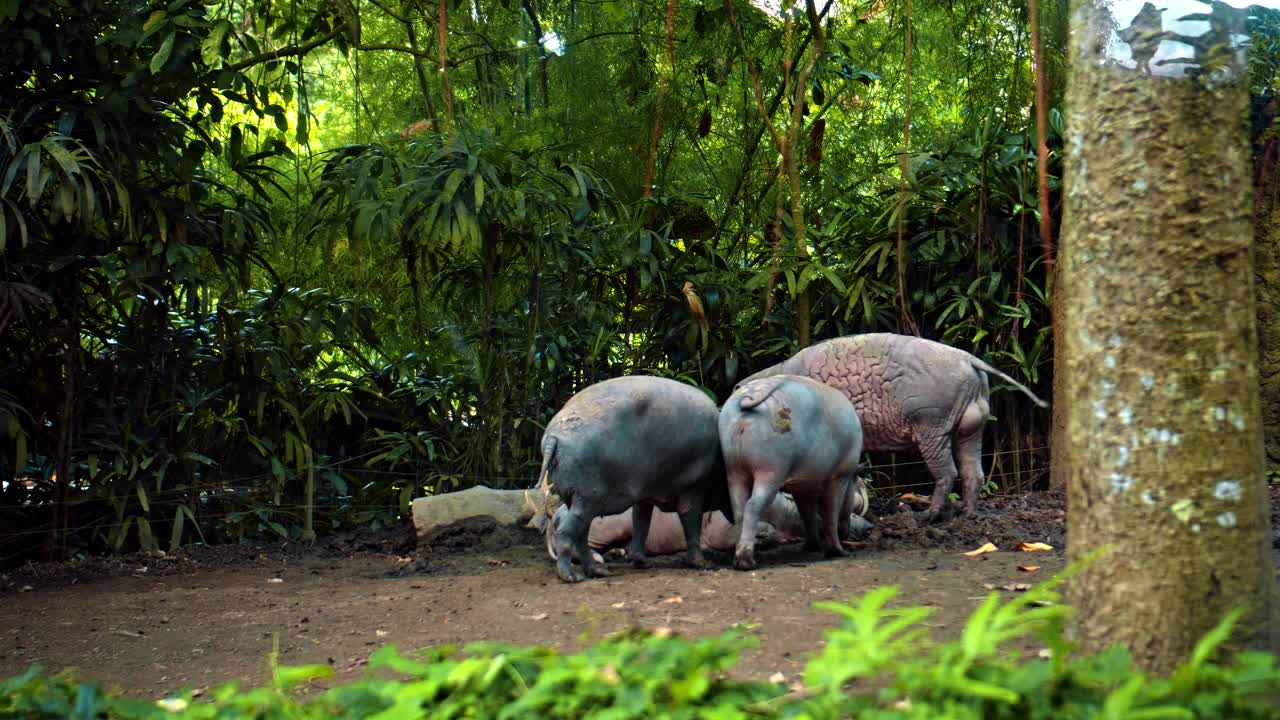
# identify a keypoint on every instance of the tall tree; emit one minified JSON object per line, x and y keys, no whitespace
{"x":1164,"y":430}
{"x":789,"y":169}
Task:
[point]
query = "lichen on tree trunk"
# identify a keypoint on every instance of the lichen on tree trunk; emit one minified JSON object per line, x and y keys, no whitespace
{"x":1163,"y":422}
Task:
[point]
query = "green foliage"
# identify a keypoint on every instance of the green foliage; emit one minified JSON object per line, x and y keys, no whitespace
{"x":255,"y":285}
{"x":878,"y":663}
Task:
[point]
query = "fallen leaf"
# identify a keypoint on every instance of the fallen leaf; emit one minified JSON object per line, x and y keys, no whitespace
{"x":497,"y":563}
{"x":1045,"y":653}
{"x":1016,"y":587}
{"x":26,"y":588}
{"x":275,"y":580}
{"x":663,"y":632}
{"x":1032,"y":547}
{"x":381,"y":633}
{"x":988,"y":548}
{"x":618,"y":605}
{"x":129,"y":633}
{"x":539,"y":616}
{"x":777,"y":678}
{"x":674,"y":600}
{"x":1028,"y":568}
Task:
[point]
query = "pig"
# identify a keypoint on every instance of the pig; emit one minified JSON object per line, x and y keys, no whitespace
{"x":781,"y":524}
{"x":631,"y":442}
{"x":910,"y":393}
{"x":794,"y":433}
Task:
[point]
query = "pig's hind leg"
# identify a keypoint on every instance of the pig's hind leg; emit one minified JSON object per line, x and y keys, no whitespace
{"x":763,"y":490}
{"x":571,"y":540}
{"x":690,"y":510}
{"x":832,"y":502}
{"x":641,"y":515}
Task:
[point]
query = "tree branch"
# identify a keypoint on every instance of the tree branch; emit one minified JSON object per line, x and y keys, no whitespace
{"x":403,"y":19}
{"x":290,"y":51}
{"x":370,"y":47}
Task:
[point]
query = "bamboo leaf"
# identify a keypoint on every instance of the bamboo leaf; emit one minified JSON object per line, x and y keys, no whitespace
{"x":162,"y":55}
{"x":145,"y":538}
{"x":175,"y":537}
{"x":451,"y":185}
{"x":835,"y":281}
{"x":35,"y":181}
{"x":142,"y":497}
{"x":211,"y":48}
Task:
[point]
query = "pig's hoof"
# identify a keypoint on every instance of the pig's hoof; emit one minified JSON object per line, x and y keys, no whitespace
{"x":639,"y":562}
{"x":935,"y":515}
{"x":571,"y":576}
{"x":697,"y":563}
{"x":744,"y":561}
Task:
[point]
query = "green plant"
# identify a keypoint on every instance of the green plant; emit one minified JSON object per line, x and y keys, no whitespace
{"x":879,"y":663}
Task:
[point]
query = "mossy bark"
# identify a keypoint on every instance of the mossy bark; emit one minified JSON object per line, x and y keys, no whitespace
{"x":1267,"y":275}
{"x":1059,"y":439}
{"x":1163,"y":426}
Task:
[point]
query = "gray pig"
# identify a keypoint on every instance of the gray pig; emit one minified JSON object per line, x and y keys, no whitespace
{"x":911,"y":393}
{"x":790,"y":432}
{"x":631,"y":441}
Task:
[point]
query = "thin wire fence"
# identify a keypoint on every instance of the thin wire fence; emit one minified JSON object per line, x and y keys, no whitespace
{"x":395,"y":506}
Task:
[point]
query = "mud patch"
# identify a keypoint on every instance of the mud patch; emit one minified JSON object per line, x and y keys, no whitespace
{"x":1003,"y":520}
{"x":782,"y":420}
{"x":481,"y":533}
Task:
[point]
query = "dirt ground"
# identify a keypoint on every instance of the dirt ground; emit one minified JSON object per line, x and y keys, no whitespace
{"x":209,"y":615}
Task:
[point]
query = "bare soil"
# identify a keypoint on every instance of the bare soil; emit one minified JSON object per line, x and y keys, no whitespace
{"x":211,"y":614}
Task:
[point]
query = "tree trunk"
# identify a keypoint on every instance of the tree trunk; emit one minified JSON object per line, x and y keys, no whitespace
{"x":798,"y":227}
{"x":664,"y":87}
{"x":421,"y":73}
{"x":1059,"y":442}
{"x":442,"y":25}
{"x":57,"y":544}
{"x":1163,"y":426}
{"x":1266,"y":228}
{"x":905,"y":321}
